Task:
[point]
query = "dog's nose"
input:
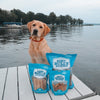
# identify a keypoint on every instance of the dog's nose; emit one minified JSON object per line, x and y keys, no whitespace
{"x":35,"y":32}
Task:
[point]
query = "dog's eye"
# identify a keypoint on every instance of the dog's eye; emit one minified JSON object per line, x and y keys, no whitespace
{"x":34,"y":24}
{"x":41,"y":27}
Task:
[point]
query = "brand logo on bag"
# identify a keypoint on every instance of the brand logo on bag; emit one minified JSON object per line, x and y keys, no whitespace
{"x":39,"y":73}
{"x":59,"y":78}
{"x":61,"y":63}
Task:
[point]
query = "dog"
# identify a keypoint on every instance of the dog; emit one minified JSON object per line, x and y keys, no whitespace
{"x":38,"y":46}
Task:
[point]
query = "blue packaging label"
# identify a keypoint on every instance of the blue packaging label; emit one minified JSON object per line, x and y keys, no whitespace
{"x":39,"y":73}
{"x":61,"y":63}
{"x":59,"y":78}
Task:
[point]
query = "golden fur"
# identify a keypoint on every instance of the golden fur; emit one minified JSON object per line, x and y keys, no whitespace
{"x":38,"y":50}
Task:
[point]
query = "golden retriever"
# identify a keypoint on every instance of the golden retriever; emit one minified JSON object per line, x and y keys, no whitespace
{"x":38,"y":45}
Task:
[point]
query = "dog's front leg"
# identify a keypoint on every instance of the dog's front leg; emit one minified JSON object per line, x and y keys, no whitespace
{"x":45,"y":61}
{"x":44,"y":55}
{"x":33,"y":60}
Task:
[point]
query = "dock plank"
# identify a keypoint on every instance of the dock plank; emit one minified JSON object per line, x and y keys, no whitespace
{"x":96,"y":97}
{"x":2,"y":80}
{"x":42,"y":96}
{"x":73,"y":94}
{"x":58,"y":97}
{"x":81,"y":87}
{"x":11,"y":92}
{"x":25,"y":91}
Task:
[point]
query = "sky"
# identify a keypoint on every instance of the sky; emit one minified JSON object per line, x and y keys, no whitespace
{"x":88,"y":10}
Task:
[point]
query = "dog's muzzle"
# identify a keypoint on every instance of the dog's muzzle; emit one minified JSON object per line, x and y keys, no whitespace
{"x":35,"y":32}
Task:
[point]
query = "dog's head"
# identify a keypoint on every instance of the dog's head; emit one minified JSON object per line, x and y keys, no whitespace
{"x":38,"y":28}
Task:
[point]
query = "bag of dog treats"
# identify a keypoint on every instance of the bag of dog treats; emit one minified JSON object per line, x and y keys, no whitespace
{"x":39,"y":77}
{"x":62,"y":62}
{"x":71,"y":84}
{"x":59,"y":81}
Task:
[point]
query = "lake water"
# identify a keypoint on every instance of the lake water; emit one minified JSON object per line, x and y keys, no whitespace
{"x":85,"y":41}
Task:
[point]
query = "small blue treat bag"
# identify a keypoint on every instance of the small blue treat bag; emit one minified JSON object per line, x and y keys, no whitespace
{"x":59,"y":81}
{"x":62,"y":62}
{"x":39,"y":77}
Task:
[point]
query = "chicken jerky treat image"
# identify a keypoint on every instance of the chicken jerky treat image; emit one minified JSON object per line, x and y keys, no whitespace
{"x":39,"y":75}
{"x":62,"y":62}
{"x":59,"y":81}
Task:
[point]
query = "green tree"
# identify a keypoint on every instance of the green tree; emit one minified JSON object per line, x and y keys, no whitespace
{"x":79,"y":21}
{"x":30,"y":16}
{"x":74,"y":21}
{"x":68,"y":19}
{"x":12,"y":17}
{"x":57,"y":21}
{"x":4,"y":15}
{"x":20,"y":15}
{"x":62,"y":19}
{"x":52,"y":18}
{"x":41,"y":17}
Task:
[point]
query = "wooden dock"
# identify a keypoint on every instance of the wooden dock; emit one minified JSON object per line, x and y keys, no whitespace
{"x":15,"y":85}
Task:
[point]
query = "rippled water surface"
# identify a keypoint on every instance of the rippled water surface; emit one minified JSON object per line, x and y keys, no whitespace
{"x":85,"y":41}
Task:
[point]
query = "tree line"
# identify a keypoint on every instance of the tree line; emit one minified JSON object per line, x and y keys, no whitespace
{"x":17,"y":15}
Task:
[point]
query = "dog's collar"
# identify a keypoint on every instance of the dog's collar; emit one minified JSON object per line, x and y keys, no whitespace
{"x":35,"y":40}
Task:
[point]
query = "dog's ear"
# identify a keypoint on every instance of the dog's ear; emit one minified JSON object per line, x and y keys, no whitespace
{"x":29,"y":25}
{"x":46,"y":29}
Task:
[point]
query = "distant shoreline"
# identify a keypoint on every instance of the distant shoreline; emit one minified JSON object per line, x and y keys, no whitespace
{"x":25,"y":26}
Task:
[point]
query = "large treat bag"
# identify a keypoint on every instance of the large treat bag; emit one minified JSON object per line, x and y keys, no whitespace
{"x":62,"y":62}
{"x":39,"y":77}
{"x":59,"y":81}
